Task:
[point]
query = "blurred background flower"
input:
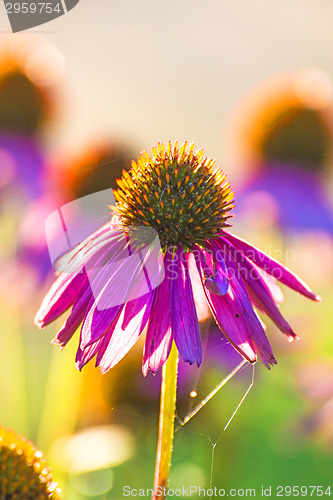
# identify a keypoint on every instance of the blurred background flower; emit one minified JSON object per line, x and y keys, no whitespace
{"x":24,"y":473}
{"x":28,"y":109}
{"x":93,"y":168}
{"x":285,"y":143}
{"x":283,"y":131}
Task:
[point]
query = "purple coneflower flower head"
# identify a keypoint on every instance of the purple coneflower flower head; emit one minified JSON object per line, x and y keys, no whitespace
{"x":124,"y":280}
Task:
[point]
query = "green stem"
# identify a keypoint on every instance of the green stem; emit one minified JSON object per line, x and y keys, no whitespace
{"x":166,"y":424}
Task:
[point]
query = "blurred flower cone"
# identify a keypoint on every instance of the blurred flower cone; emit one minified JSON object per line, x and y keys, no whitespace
{"x":24,"y":473}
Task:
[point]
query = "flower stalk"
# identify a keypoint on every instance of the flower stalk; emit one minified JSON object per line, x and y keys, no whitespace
{"x":166,"y":424}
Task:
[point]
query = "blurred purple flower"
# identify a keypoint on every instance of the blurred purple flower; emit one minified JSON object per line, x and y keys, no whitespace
{"x":295,"y":197}
{"x":177,"y":194}
{"x":32,"y":245}
{"x":21,"y":167}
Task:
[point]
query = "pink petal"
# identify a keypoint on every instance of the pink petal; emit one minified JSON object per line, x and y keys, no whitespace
{"x":159,"y":339}
{"x":200,"y":301}
{"x":258,"y":289}
{"x":64,"y":290}
{"x":74,"y":320}
{"x":96,"y":323}
{"x":228,"y":313}
{"x":257,"y":332}
{"x":271,"y":283}
{"x":122,"y":339}
{"x":119,"y":280}
{"x":271,"y":266}
{"x":86,"y":354}
{"x":59,"y":298}
{"x":184,"y":321}
{"x":89,"y":250}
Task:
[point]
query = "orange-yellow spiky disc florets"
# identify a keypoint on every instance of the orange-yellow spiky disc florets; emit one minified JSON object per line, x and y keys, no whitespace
{"x":24,"y":474}
{"x":177,"y":193}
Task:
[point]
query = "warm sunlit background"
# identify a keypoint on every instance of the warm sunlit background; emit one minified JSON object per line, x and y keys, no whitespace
{"x":81,"y":96}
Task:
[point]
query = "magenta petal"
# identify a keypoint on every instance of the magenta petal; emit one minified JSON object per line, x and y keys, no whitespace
{"x":115,"y":282}
{"x":260,"y":341}
{"x":105,"y":290}
{"x":112,"y":285}
{"x":59,"y":298}
{"x":86,"y":253}
{"x":259,"y":291}
{"x":85,"y":355}
{"x":159,"y":339}
{"x":97,"y":322}
{"x":271,"y":266}
{"x":220,"y":275}
{"x":74,"y":320}
{"x":184,"y":321}
{"x":222,"y":281}
{"x":229,"y":314}
{"x":142,"y":281}
{"x":64,"y":290}
{"x":271,"y":284}
{"x":122,"y":339}
{"x":257,"y":332}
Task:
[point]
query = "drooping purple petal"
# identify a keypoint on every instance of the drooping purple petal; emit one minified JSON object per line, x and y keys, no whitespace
{"x":113,"y":286}
{"x":59,"y":298}
{"x":228,"y":313}
{"x":271,"y":283}
{"x":64,"y":290}
{"x":201,"y":304}
{"x":97,"y":320}
{"x":271,"y":266}
{"x":122,"y":339}
{"x":75,"y":318}
{"x":115,"y":283}
{"x":184,"y":321}
{"x":86,"y":354}
{"x":88,"y":251}
{"x":147,"y":275}
{"x":259,"y":292}
{"x":159,"y":338}
{"x":220,"y":283}
{"x":96,"y":323}
{"x":91,"y":330}
{"x":258,"y":335}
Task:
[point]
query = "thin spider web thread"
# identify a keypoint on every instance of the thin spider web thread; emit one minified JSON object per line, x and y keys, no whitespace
{"x":227,"y":425}
{"x":216,"y":389}
{"x":191,"y":414}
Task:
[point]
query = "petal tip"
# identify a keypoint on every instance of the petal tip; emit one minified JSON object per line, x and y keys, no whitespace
{"x":39,"y":322}
{"x":78,"y":366}
{"x":145,"y":369}
{"x":269,"y":362}
{"x":293,"y":337}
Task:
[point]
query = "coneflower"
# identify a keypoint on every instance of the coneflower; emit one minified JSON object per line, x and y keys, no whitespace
{"x":175,"y":193}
